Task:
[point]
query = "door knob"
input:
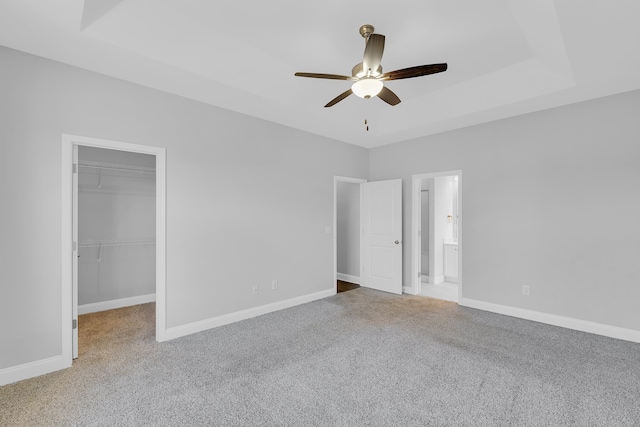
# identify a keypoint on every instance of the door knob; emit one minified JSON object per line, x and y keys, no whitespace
{"x":397,"y":243}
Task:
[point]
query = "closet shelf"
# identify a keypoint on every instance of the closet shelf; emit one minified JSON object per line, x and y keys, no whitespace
{"x":116,"y":167}
{"x":101,"y":243}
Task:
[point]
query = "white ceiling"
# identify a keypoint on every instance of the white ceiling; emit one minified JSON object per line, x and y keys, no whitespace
{"x":505,"y":57}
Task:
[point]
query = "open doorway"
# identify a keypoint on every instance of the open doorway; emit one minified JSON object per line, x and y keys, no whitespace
{"x":103,"y":177}
{"x":378,"y":241}
{"x":116,"y":244}
{"x":437,"y":235}
{"x":347,"y":217}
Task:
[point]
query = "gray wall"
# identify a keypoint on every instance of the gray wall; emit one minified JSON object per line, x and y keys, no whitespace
{"x":424,"y":221}
{"x":549,"y":199}
{"x":441,"y":229}
{"x":247,"y":200}
{"x":348,"y":227}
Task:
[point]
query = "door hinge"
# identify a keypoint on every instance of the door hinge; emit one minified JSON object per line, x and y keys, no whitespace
{"x":74,"y":324}
{"x":75,"y":168}
{"x":74,"y":246}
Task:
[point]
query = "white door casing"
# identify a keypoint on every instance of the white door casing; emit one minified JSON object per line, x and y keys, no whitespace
{"x":381,"y":243}
{"x":69,"y":300}
{"x":75,"y":254}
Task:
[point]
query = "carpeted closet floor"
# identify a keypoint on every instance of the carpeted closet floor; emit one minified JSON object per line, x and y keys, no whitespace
{"x":115,"y":330}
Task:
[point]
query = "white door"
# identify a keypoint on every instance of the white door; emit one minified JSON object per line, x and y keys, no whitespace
{"x":75,"y":254}
{"x":381,"y":243}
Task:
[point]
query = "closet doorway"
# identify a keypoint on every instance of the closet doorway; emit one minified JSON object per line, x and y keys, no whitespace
{"x":114,"y":229}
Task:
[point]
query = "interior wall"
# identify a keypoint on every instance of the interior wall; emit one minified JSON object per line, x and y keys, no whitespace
{"x":549,"y":201}
{"x":348,"y":228}
{"x":445,"y":187}
{"x":441,"y":228}
{"x":247,"y":200}
{"x":425,"y":235}
{"x":424,"y":221}
{"x":455,"y":211}
{"x":117,"y":208}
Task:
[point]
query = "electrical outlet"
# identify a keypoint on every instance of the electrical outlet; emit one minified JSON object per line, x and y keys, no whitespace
{"x":255,"y":289}
{"x":274,"y":285}
{"x":526,"y":290}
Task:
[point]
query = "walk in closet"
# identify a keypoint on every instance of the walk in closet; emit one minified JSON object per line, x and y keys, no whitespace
{"x":116,"y":229}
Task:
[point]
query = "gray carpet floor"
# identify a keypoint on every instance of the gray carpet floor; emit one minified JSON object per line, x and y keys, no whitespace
{"x":358,"y":358}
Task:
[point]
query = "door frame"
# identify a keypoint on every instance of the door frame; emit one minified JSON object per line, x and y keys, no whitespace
{"x":335,"y":223}
{"x":68,"y":252}
{"x":416,"y":283}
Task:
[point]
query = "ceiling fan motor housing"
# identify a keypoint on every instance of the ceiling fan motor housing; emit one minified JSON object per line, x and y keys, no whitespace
{"x":358,"y":71}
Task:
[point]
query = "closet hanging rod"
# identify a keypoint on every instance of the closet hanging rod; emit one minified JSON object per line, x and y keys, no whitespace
{"x":118,"y":167}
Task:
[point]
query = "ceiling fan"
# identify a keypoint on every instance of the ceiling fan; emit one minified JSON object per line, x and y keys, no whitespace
{"x":367,"y":75}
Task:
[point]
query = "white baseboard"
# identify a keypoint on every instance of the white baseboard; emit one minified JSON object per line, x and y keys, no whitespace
{"x":438,"y":279}
{"x":30,"y":370}
{"x":552,"y":319}
{"x":450,"y":279}
{"x":45,"y":366}
{"x":116,"y":303}
{"x":348,"y":278}
{"x":214,"y":322}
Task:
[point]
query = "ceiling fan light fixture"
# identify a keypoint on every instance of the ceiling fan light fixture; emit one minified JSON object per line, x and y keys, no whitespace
{"x":367,"y":75}
{"x":367,"y":88}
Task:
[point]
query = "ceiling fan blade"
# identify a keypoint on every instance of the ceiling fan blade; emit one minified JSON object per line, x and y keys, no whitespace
{"x":324,"y":76}
{"x":388,"y":96}
{"x":373,"y":52}
{"x":420,"y":70}
{"x":339,"y":98}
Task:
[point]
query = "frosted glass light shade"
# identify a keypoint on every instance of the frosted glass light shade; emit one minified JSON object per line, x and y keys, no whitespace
{"x":366,"y":88}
